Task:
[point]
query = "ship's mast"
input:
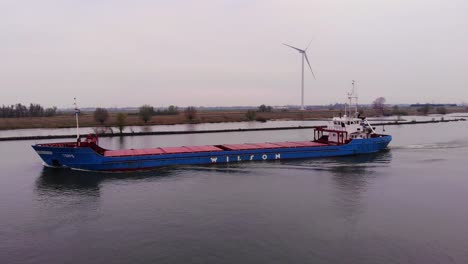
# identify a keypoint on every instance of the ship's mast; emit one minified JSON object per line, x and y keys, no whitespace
{"x":351,"y":96}
{"x":77,"y":112}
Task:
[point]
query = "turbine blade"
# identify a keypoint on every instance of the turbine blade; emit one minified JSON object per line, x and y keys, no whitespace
{"x":301,"y":51}
{"x":310,"y":67}
{"x":308,"y":45}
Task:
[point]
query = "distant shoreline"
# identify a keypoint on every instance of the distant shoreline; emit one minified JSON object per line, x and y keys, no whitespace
{"x":203,"y":116}
{"x":87,"y":120}
{"x":390,"y":123}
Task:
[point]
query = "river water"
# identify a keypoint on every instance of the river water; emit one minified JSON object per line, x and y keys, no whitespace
{"x":403,"y":205}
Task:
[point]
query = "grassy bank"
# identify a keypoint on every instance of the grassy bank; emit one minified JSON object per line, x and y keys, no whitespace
{"x":133,"y":134}
{"x":87,"y":120}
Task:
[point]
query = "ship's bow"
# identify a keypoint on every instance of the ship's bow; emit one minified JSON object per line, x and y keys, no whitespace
{"x":67,"y":155}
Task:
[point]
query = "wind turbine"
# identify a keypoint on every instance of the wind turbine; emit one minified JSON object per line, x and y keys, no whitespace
{"x":304,"y":56}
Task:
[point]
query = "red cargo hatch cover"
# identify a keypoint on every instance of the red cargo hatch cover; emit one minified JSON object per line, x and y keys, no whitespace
{"x":132,"y":152}
{"x":203,"y":148}
{"x":266,"y":145}
{"x":157,"y":151}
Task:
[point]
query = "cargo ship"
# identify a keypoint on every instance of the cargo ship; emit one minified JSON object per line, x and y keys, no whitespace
{"x":349,"y":134}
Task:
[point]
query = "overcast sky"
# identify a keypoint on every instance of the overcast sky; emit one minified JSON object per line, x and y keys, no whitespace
{"x":223,"y":53}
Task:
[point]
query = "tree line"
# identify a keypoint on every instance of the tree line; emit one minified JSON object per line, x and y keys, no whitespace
{"x":20,"y":110}
{"x":380,"y":107}
{"x":145,"y":112}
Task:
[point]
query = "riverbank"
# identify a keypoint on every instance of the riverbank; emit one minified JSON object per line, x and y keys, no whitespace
{"x":87,"y":119}
{"x":148,"y":133}
{"x":67,"y":120}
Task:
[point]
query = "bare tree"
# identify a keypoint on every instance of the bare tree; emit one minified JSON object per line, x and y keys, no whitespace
{"x":121,"y":121}
{"x":265,"y":108}
{"x":190,"y":113}
{"x":51,"y":111}
{"x":379,"y":105}
{"x":250,"y":115}
{"x":101,"y":115}
{"x":146,"y":112}
{"x":425,"y":109}
{"x":173,"y":110}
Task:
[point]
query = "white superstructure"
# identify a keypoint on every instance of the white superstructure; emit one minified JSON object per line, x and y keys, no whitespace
{"x":351,"y":125}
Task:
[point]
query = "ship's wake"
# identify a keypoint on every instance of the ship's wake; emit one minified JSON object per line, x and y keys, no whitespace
{"x":440,"y":145}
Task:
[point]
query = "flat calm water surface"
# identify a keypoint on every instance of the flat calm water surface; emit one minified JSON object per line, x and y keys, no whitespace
{"x":403,"y":205}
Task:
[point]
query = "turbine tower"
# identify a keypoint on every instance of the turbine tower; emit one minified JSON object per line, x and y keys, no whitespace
{"x":304,"y":56}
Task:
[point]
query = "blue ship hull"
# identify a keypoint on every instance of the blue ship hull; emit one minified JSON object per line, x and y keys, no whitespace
{"x":81,"y":157}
